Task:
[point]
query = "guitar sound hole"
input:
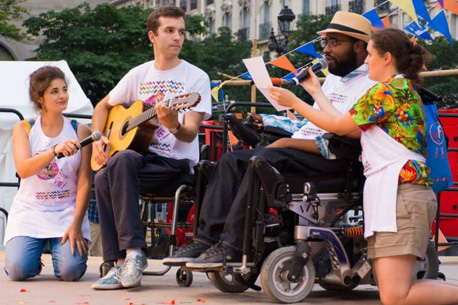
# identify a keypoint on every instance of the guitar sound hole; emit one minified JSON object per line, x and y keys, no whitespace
{"x":124,"y":128}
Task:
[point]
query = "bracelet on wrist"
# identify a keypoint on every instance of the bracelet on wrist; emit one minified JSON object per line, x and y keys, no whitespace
{"x":54,"y":150}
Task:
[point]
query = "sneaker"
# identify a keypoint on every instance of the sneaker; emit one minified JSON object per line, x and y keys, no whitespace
{"x":185,"y":254}
{"x":215,"y":257}
{"x":111,"y":280}
{"x":132,"y":270}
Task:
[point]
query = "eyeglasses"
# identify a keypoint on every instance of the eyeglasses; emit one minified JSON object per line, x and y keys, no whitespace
{"x":332,"y":42}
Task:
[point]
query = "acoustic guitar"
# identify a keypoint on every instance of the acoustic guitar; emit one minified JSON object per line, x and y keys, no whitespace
{"x":133,"y":127}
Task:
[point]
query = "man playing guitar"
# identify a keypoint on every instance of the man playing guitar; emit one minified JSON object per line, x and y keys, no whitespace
{"x":173,"y":152}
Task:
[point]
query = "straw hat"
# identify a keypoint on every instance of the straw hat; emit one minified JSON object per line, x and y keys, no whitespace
{"x":349,"y":24}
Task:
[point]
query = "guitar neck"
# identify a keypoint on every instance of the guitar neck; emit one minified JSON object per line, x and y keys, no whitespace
{"x":139,"y":119}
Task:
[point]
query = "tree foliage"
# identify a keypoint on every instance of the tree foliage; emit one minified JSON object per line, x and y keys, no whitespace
{"x":444,"y":58}
{"x":10,"y":10}
{"x":220,"y":52}
{"x":100,"y":44}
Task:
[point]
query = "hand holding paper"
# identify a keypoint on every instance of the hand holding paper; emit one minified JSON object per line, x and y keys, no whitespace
{"x":261,"y":78}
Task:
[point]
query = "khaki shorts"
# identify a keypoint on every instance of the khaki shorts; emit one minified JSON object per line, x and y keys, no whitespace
{"x":415,"y":211}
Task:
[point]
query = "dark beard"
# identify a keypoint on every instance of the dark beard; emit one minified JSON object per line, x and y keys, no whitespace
{"x":344,"y":66}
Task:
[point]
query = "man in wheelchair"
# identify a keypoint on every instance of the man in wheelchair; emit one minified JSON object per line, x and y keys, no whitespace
{"x":221,"y":227}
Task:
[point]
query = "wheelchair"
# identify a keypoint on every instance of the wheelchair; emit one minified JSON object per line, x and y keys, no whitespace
{"x":305,"y":231}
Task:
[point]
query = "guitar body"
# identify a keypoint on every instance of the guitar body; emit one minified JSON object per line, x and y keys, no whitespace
{"x":133,"y":127}
{"x":138,"y":138}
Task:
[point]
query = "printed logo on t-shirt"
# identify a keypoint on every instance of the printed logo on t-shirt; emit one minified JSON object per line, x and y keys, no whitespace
{"x":49,"y":171}
{"x":162,"y":86}
{"x":311,"y":131}
{"x":337,"y":98}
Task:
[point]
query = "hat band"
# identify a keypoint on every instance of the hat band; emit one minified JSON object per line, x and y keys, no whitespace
{"x":345,"y":28}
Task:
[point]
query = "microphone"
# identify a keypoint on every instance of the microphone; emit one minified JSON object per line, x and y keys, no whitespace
{"x":95,"y":136}
{"x":320,"y":65}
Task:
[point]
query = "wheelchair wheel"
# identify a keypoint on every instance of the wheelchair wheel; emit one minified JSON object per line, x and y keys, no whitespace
{"x":184,"y":278}
{"x":227,"y":282}
{"x":105,"y":267}
{"x":429,"y":267}
{"x":274,"y":277}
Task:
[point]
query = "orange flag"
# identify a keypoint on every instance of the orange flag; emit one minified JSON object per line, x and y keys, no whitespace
{"x":284,"y":63}
{"x":450,"y":5}
{"x":386,"y":22}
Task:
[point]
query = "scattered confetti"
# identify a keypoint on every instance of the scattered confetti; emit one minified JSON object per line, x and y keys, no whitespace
{"x":21,"y":302}
{"x":172,"y":302}
{"x":52,"y":301}
{"x":125,"y":298}
{"x":23,"y":290}
{"x":201,"y":300}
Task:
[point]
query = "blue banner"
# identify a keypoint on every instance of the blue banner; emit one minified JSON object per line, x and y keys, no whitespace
{"x":418,"y":30}
{"x":374,"y":18}
{"x":421,"y":10}
{"x":440,"y":24}
{"x":308,"y":48}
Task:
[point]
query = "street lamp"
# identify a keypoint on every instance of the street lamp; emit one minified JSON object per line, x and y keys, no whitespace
{"x":285,"y":18}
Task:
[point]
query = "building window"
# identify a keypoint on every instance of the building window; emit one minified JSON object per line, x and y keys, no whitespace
{"x":266,"y":12}
{"x":210,"y":2}
{"x":306,"y":7}
{"x":183,"y":5}
{"x":193,"y":5}
{"x":244,"y":18}
{"x":211,"y":25}
{"x":227,"y":22}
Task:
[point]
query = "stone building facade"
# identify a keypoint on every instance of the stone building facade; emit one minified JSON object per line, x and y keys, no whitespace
{"x":14,"y":50}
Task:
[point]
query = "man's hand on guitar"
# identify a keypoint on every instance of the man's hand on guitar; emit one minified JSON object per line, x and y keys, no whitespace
{"x":100,"y":151}
{"x":167,"y":116}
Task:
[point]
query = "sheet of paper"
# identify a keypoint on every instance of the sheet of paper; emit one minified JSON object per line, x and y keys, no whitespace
{"x":261,"y":78}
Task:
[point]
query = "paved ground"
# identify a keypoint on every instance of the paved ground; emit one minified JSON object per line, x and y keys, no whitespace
{"x":46,"y":290}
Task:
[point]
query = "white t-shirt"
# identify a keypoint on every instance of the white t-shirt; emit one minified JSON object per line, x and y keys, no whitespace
{"x":343,"y":93}
{"x":44,"y":206}
{"x":145,"y":83}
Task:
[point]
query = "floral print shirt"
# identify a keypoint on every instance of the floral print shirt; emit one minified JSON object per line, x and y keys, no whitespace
{"x":397,"y":109}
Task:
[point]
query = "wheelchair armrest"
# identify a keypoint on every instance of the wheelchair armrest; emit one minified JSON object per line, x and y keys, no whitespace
{"x":343,"y":147}
{"x":276,"y":132}
{"x":245,"y":134}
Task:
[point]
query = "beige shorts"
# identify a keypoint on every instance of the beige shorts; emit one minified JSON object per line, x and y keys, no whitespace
{"x":415,"y":211}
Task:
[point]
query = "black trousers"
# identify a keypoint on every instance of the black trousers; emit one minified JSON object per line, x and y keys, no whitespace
{"x":117,"y":188}
{"x":222,"y":216}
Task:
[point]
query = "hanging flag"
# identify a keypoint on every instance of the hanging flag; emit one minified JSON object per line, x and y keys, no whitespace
{"x":308,"y":48}
{"x":439,"y":23}
{"x":289,"y":76}
{"x":418,"y":30}
{"x":406,"y":6}
{"x":374,"y":18}
{"x":386,"y":21}
{"x":246,"y":75}
{"x":421,"y":10}
{"x":215,"y":92}
{"x":451,"y":5}
{"x":441,"y":2}
{"x":284,"y":63}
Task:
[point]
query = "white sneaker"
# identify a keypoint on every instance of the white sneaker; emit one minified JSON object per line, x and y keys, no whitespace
{"x":132,"y":270}
{"x":111,"y":280}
